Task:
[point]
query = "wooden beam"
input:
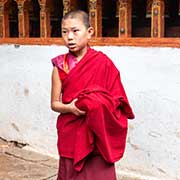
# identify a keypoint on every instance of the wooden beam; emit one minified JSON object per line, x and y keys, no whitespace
{"x":103,"y":41}
{"x":4,"y":19}
{"x":45,"y":30}
{"x":69,"y":5}
{"x":157,"y":21}
{"x":23,"y":18}
{"x":95,"y":15}
{"x":125,"y":16}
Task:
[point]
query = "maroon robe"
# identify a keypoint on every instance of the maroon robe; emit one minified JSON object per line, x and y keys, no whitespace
{"x":95,"y":82}
{"x":95,"y":168}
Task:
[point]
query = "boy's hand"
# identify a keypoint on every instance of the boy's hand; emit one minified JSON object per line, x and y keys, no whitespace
{"x":75,"y":110}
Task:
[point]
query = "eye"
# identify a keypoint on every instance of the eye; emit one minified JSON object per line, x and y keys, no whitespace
{"x":64,"y":31}
{"x":75,"y":30}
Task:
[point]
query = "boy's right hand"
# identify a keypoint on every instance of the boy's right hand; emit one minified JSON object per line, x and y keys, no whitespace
{"x":73,"y":109}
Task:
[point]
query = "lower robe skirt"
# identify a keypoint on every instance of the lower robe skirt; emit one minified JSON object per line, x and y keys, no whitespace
{"x":95,"y":168}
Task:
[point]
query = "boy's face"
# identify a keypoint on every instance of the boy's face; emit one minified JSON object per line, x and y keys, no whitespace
{"x":75,"y":34}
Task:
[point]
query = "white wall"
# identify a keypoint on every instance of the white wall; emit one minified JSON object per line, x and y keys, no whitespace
{"x":151,"y":77}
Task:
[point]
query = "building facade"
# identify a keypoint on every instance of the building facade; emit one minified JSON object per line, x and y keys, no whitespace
{"x":113,"y":20}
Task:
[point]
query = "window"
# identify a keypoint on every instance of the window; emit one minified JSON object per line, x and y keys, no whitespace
{"x":172,"y":19}
{"x":56,"y":13}
{"x":110,"y":18}
{"x":13,"y":19}
{"x":141,"y":18}
{"x":34,"y":19}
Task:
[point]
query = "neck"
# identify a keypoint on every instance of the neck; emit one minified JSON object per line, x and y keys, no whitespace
{"x":79,"y":54}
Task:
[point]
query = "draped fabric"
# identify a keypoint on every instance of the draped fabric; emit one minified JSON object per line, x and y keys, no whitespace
{"x":95,"y":82}
{"x":95,"y":168}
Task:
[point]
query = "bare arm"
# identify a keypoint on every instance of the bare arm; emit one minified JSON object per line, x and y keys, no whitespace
{"x":56,"y":103}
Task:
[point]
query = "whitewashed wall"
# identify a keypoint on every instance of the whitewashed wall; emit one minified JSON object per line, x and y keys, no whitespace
{"x":151,"y":77}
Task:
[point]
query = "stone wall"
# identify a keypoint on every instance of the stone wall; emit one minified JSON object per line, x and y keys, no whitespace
{"x":151,"y":80}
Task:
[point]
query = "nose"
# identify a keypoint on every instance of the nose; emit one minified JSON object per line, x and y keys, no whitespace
{"x":70,"y":35}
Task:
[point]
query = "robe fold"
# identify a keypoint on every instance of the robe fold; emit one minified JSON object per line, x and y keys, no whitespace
{"x":95,"y":82}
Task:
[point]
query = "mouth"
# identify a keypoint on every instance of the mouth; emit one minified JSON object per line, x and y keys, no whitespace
{"x":71,"y":45}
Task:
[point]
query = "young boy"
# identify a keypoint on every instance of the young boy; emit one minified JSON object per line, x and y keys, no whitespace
{"x":93,"y":107}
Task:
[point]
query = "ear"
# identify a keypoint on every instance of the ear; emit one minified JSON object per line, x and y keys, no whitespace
{"x":90,"y":32}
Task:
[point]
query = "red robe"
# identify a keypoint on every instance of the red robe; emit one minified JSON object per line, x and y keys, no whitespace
{"x":95,"y":82}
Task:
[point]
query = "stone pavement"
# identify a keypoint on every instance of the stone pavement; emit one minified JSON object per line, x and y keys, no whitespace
{"x":16,"y":163}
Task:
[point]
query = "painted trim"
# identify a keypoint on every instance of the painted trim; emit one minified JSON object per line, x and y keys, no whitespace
{"x":104,"y":41}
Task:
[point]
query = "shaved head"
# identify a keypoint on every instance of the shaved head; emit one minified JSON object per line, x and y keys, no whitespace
{"x":78,"y":14}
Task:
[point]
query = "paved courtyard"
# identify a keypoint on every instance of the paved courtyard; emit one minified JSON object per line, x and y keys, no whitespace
{"x":16,"y":163}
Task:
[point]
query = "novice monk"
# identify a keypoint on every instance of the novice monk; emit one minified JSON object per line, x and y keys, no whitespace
{"x":93,"y":107}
